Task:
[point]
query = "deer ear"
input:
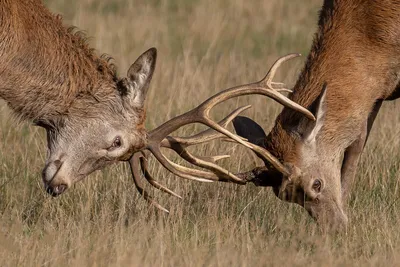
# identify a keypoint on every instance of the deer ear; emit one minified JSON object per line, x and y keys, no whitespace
{"x":249,"y":129}
{"x":315,"y":126}
{"x":139,"y":77}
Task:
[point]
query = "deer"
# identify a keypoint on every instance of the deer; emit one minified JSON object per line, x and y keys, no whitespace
{"x":51,"y":77}
{"x":311,"y":154}
{"x":93,"y":118}
{"x":353,"y":66}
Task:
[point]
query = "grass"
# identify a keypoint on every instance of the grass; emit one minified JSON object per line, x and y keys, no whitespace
{"x":204,"y":46}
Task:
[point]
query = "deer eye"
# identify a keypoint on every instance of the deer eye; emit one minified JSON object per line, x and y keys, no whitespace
{"x":317,"y":185}
{"x":116,"y":143}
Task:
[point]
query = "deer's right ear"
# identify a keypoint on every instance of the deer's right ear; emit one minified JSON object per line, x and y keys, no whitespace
{"x":139,"y":75}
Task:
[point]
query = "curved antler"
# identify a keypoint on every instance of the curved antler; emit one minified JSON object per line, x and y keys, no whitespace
{"x":159,"y":137}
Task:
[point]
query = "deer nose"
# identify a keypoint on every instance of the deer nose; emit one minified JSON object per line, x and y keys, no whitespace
{"x":53,"y":178}
{"x":51,"y":170}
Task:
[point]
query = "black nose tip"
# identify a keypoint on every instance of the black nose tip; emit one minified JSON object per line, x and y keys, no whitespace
{"x":56,"y":190}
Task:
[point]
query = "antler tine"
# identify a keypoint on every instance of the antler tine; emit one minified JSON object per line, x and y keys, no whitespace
{"x":220,"y":172}
{"x":272,"y":71}
{"x":183,"y":172}
{"x":279,"y":86}
{"x":152,"y":181}
{"x":215,"y":158}
{"x":134,"y":164}
{"x":205,"y":136}
{"x":219,"y":176}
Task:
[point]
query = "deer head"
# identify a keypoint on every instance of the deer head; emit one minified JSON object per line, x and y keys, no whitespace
{"x":311,"y":175}
{"x":98,"y":131}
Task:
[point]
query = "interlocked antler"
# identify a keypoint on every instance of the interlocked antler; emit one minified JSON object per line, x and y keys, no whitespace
{"x":159,"y":138}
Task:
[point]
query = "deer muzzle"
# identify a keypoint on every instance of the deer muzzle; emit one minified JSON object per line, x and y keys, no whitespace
{"x":54,"y":182}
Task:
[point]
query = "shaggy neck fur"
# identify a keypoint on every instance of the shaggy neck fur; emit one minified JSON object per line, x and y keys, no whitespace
{"x":46,"y":70}
{"x":356,"y":52}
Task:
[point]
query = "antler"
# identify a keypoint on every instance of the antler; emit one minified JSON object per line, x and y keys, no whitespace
{"x":159,"y":138}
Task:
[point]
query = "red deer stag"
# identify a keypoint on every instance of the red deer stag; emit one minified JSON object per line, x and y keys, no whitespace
{"x":352,"y":67}
{"x":92,"y":118}
{"x":50,"y":76}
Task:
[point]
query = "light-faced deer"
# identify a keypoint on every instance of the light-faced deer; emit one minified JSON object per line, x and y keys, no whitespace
{"x":93,"y":118}
{"x":353,"y":65}
{"x":50,"y":76}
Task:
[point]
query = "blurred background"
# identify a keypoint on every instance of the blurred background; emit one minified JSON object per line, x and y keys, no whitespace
{"x":204,"y":46}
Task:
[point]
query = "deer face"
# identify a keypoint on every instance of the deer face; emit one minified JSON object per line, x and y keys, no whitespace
{"x":314,"y":183}
{"x":107,"y":133}
{"x":312,"y":175}
{"x":314,"y":180}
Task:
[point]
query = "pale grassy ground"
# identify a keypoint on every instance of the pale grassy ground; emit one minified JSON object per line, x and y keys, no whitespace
{"x":204,"y":46}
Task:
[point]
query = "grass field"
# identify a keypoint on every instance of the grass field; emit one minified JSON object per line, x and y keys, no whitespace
{"x":204,"y":46}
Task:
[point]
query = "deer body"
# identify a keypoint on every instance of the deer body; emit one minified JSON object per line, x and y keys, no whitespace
{"x":355,"y":56}
{"x":45,"y":66}
{"x":50,"y":76}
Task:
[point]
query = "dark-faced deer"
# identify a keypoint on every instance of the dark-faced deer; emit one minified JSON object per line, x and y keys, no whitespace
{"x":50,"y":76}
{"x":353,"y":65}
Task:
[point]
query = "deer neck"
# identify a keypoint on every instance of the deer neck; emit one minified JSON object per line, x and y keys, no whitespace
{"x":45,"y":67}
{"x":357,"y":70}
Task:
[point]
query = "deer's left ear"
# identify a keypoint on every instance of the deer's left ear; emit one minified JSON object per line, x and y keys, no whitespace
{"x":138,"y":78}
{"x":315,"y":127}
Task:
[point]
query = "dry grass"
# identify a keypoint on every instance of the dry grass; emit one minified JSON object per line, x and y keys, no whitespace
{"x":204,"y":46}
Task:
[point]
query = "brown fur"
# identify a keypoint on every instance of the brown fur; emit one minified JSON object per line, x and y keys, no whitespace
{"x":356,"y":51}
{"x":46,"y":69}
{"x":49,"y":74}
{"x":356,"y":54}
